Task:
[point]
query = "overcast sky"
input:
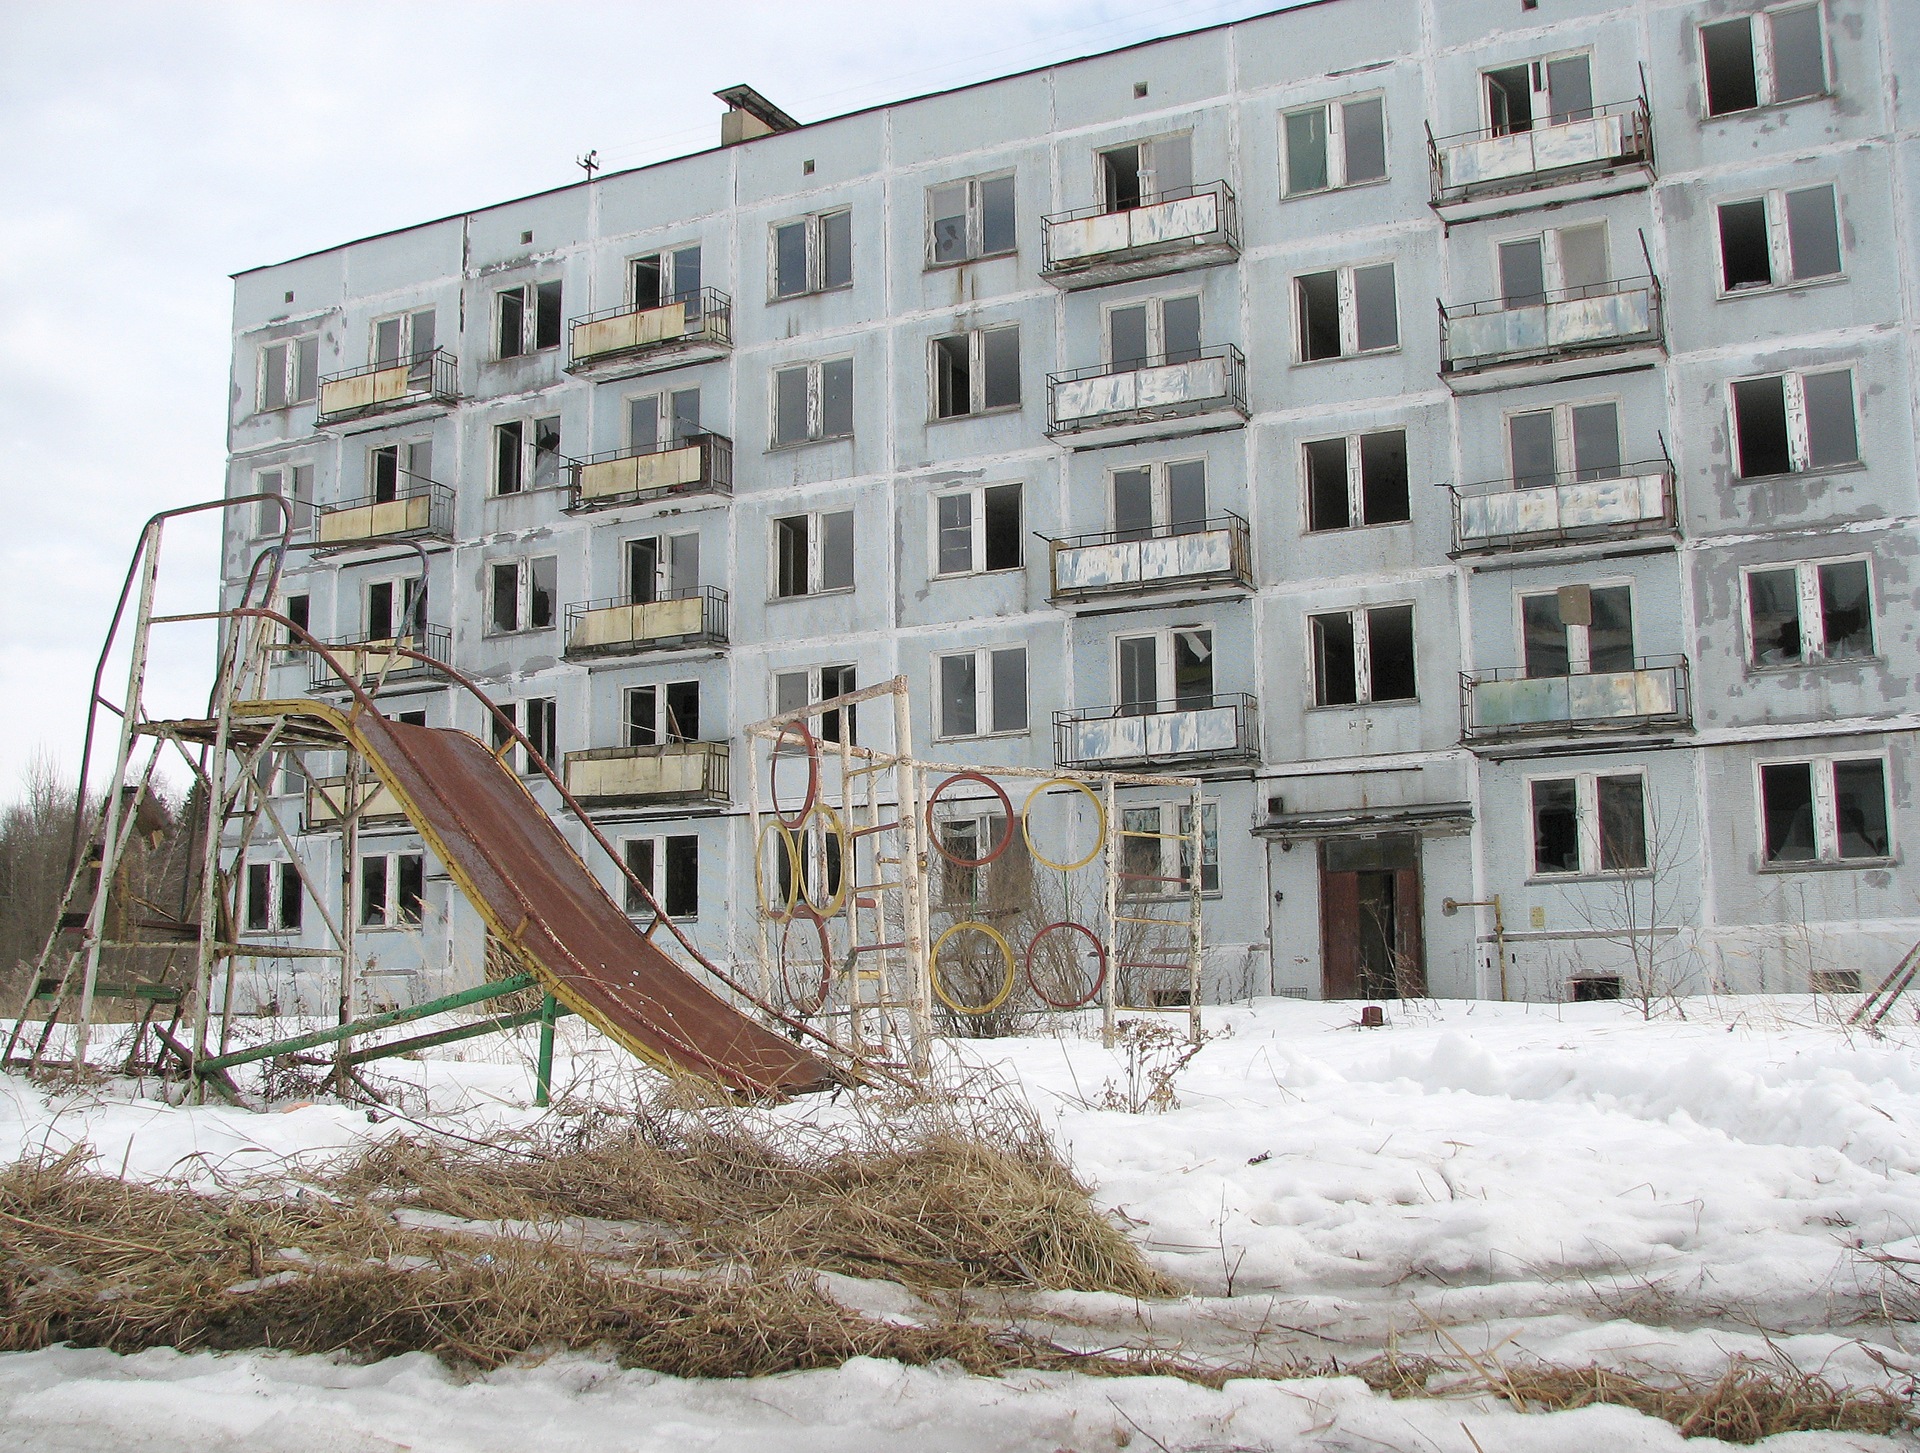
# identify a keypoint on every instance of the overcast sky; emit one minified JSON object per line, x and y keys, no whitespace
{"x":147,"y":151}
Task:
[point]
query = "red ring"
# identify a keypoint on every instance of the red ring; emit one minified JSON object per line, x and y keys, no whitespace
{"x":812,"y":744}
{"x":807,"y":1010}
{"x":1098,"y":979}
{"x":933,"y":830}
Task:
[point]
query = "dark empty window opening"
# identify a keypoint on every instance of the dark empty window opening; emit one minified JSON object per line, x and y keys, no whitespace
{"x":1595,"y":988}
{"x":1760,"y":424}
{"x":1002,"y":510}
{"x":1390,"y":653}
{"x":1120,"y":172}
{"x":1510,"y":100}
{"x":1318,"y":298}
{"x":1732,"y":84}
{"x":1786,"y":793}
{"x":953,"y":376}
{"x":1556,"y":826}
{"x":681,"y":898}
{"x":1745,"y":251}
{"x":1328,"y":507}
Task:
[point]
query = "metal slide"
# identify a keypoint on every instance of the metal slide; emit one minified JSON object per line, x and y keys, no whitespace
{"x":541,"y":901}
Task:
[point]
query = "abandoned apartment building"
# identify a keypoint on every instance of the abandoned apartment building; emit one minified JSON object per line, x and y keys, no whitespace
{"x":1476,"y":436}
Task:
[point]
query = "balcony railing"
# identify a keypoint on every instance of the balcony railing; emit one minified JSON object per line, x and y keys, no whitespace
{"x":1126,"y":396}
{"x":698,"y":464}
{"x":618,"y":626}
{"x":1185,"y":729}
{"x":327,"y":802}
{"x":1485,"y":163}
{"x":1519,"y":515}
{"x":1607,"y":317}
{"x":432,"y":377}
{"x":658,"y":334}
{"x":418,"y":509}
{"x":366,"y":657}
{"x":673,"y":773}
{"x":1507,"y":702}
{"x":1170,"y":232}
{"x":1216,"y":551}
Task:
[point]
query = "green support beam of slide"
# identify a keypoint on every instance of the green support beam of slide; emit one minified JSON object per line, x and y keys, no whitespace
{"x":470,"y":1031}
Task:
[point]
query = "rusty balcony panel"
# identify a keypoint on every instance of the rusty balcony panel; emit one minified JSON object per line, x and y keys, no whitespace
{"x":1506,"y":702}
{"x":685,"y":328}
{"x":696,"y":464}
{"x":388,"y":387}
{"x":1195,"y":730}
{"x":327,"y":799}
{"x":1600,"y":142}
{"x":617,"y":626}
{"x":418,"y":509}
{"x":1113,"y":403}
{"x":1552,"y":335}
{"x":1211,"y":552}
{"x":1170,"y":232}
{"x":368,"y":657}
{"x":1506,"y":515}
{"x":685,"y":773}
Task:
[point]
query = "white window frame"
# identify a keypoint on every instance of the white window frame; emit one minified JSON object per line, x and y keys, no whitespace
{"x":816,"y":540}
{"x":1553,"y":264}
{"x":1826,"y":812}
{"x":1761,"y":34}
{"x":1799,"y":437}
{"x":814,"y":689}
{"x":1587,"y":825}
{"x":1181,"y":813}
{"x":1579,"y":638}
{"x":1356,"y":485}
{"x":406,"y":589}
{"x":1542,"y":110}
{"x":816,"y":250}
{"x":291,"y":351}
{"x":1566,"y":466}
{"x":1335,"y":110}
{"x":667,"y":558}
{"x":1156,"y":310}
{"x":1779,"y":242}
{"x":1349,"y":306}
{"x":1149,"y":168}
{"x":985,"y":707}
{"x":390,"y":914}
{"x":976,"y":216}
{"x":671,"y":286}
{"x":1813,"y":632}
{"x":816,"y":403}
{"x":976,"y":374}
{"x":529,"y":295}
{"x":658,"y":885}
{"x":1361,"y":618}
{"x":976,"y":495}
{"x":292,"y":481}
{"x":279,"y":871}
{"x":405,"y":479}
{"x":666,"y":730}
{"x":1163,"y":663}
{"x":409,"y":346}
{"x":1159,"y":489}
{"x":523,"y":567}
{"x":530,"y":456}
{"x":664,"y":417}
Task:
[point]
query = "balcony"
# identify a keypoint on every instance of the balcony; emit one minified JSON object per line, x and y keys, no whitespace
{"x":327,"y":802}
{"x":1188,"y":228}
{"x":1193,"y":730}
{"x":1597,"y":153}
{"x":689,"y":327}
{"x":621,"y":627}
{"x":1502,"y":515}
{"x":1608,"y":327}
{"x":1115,"y":403}
{"x":1506,"y":703}
{"x":700,"y":464}
{"x":673,"y":774}
{"x":1214,"y":552}
{"x":418,"y":509}
{"x":367,"y":657}
{"x":389,"y":387}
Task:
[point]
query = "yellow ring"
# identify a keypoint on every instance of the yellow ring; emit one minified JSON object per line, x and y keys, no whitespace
{"x":833,"y":905}
{"x":1099,"y":812}
{"x":760,"y":871}
{"x":1006,"y":953}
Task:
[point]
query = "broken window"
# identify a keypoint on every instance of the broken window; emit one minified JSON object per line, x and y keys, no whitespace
{"x":1543,"y":92}
{"x":394,"y":607}
{"x":509,"y":445}
{"x":1156,"y":849}
{"x":289,"y":373}
{"x":1589,"y":823}
{"x":1169,"y":670}
{"x":1561,"y":263}
{"x":663,"y":567}
{"x":526,"y":319}
{"x":793,"y":690}
{"x":1339,"y":144}
{"x":658,"y":714}
{"x":275,"y":897}
{"x":812,"y":254}
{"x":812,"y":553}
{"x":1814,"y":611}
{"x":669,"y":869}
{"x":972,"y":218}
{"x":1358,"y":480}
{"x":1780,"y":238}
{"x":660,"y":278}
{"x":1760,"y":60}
{"x":408,"y":337}
{"x":1156,"y":332}
{"x":983,"y":692}
{"x":1167,"y":498}
{"x":1578,"y":630}
{"x":1362,"y":656}
{"x":976,"y":530}
{"x":1793,"y":422}
{"x":976,"y":371}
{"x":1567,"y":441}
{"x":1141,"y":173}
{"x":1347,"y":310}
{"x":293,"y":485}
{"x":1824,"y":810}
{"x":523,"y":594}
{"x":392,"y":887}
{"x":813,"y":401}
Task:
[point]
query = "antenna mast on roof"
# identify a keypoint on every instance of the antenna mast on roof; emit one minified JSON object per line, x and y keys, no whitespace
{"x":590,"y":163}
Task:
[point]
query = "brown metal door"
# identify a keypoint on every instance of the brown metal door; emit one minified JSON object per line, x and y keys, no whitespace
{"x":1339,"y":932}
{"x":1370,"y":940}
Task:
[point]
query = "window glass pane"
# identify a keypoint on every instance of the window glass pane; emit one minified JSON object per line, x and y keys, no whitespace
{"x":1366,"y":140}
{"x":1860,"y":808}
{"x":639,"y":855}
{"x":789,"y":691}
{"x":1317,"y":296}
{"x":1193,"y":668}
{"x":1378,"y":309}
{"x":1390,"y":652}
{"x":1596,"y":442}
{"x":953,"y":533}
{"x":958,"y":717}
{"x":1001,"y":347}
{"x":1610,"y":629}
{"x":1846,"y":609}
{"x":1334,"y":680}
{"x":542,"y":578}
{"x":1132,"y":503}
{"x":408,"y":890}
{"x":1140,"y":844}
{"x":1328,"y":506}
{"x":1139,"y":662}
{"x":1180,"y":329}
{"x":1799,"y":67}
{"x":790,"y":405}
{"x":1187,"y":496}
{"x":683,"y":564}
{"x":306,"y":369}
{"x":1530,"y":441}
{"x":1209,"y":845}
{"x":1813,"y":233}
{"x":790,"y":556}
{"x":1773,"y":616}
{"x":1544,"y":635}
{"x":685,"y":407}
{"x":1556,"y":834}
{"x":1306,"y":151}
{"x":1623,"y":823}
{"x":292,"y":896}
{"x":1583,"y":258}
{"x":996,"y":215}
{"x":1746,"y":259}
{"x":686,"y":277}
{"x":1173,"y":166}
{"x":789,"y":259}
{"x":1523,"y":274}
{"x":683,"y":877}
{"x":1383,"y":477}
{"x":836,"y":550}
{"x":952,"y":377}
{"x":419,"y":462}
{"x":1830,"y":431}
{"x":273,"y":377}
{"x":1010,"y":689}
{"x":1003,"y":527}
{"x":1569,"y":89}
{"x":1786,"y":794}
{"x":1127,"y":337}
{"x":948,"y":208}
{"x":1760,"y":427}
{"x":513,"y":321}
{"x":836,"y":249}
{"x":386,"y":341}
{"x":643,"y":422}
{"x":836,"y":398}
{"x":1728,"y":52}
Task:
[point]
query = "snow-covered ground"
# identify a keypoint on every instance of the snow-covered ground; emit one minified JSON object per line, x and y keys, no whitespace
{"x":1563,"y":1182}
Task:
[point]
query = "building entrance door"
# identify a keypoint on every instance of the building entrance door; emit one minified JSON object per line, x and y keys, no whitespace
{"x":1370,"y":945}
